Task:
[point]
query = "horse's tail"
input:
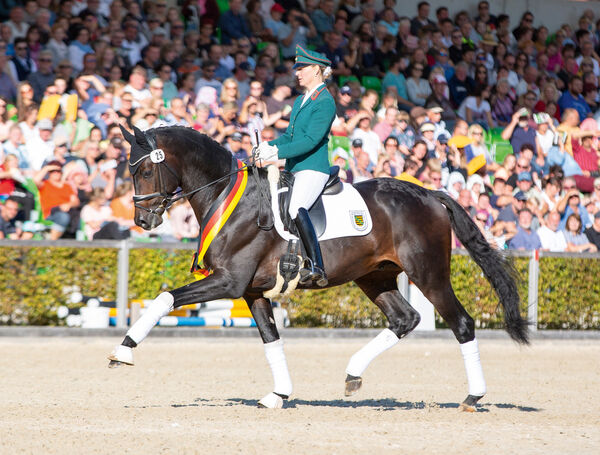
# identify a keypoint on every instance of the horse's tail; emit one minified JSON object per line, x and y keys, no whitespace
{"x":498,"y":271}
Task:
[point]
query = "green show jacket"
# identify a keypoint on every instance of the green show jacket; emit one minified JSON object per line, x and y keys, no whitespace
{"x":304,"y":143}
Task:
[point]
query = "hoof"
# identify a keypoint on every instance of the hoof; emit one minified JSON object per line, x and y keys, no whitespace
{"x":121,"y":355}
{"x":271,"y":401}
{"x":353,"y":385}
{"x":469,"y":404}
{"x":115,"y":364}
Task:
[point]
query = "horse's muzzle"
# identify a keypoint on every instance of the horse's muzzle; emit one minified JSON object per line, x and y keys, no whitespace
{"x":147,"y":220}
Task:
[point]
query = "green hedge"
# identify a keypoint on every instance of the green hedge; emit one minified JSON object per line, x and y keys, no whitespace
{"x":569,"y":290}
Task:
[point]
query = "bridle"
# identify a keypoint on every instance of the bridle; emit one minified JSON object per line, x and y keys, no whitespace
{"x":158,"y":158}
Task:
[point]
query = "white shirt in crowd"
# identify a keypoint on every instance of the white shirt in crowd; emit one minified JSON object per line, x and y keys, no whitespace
{"x":551,"y":240}
{"x":371,"y":143}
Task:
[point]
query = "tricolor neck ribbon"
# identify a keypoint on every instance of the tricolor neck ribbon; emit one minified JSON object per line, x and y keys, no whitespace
{"x":217,"y":215}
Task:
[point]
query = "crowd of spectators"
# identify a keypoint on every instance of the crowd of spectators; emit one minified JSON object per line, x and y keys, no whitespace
{"x":431,"y":99}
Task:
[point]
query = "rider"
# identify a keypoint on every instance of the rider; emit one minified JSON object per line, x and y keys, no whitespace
{"x":304,"y":146}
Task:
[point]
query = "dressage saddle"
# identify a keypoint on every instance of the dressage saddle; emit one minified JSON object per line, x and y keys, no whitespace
{"x":317,"y":211}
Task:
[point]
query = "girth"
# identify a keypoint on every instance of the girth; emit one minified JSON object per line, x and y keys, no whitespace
{"x":317,"y":211}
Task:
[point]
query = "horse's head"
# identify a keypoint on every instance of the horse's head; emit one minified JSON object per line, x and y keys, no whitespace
{"x":154,"y":179}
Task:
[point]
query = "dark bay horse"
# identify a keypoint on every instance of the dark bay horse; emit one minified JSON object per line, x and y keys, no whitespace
{"x":411,"y":233}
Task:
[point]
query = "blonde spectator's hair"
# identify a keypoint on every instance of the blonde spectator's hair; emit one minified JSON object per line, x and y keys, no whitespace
{"x":475,"y":128}
{"x":123,"y":188}
{"x":225,"y":97}
{"x":434,"y":165}
{"x":403,"y":115}
{"x":555,"y":95}
{"x":230,"y":106}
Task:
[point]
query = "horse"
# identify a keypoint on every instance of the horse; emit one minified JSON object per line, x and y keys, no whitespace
{"x":411,"y":232}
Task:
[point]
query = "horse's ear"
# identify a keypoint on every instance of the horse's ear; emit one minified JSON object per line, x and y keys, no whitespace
{"x":140,"y":137}
{"x":127,"y":135}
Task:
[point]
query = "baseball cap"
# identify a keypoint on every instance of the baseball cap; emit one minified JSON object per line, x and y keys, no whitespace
{"x":597,"y":216}
{"x":345,"y":90}
{"x":277,"y":8}
{"x":237,"y":136}
{"x":435,"y":109}
{"x":427,"y":126}
{"x":339,"y":153}
{"x":520,"y":196}
{"x":44,"y":124}
{"x":245,"y":66}
{"x":442,"y":138}
{"x":439,"y":79}
{"x":357,"y":143}
{"x":524,"y":176}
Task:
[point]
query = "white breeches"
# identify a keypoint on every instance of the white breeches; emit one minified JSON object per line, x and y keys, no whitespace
{"x":308,"y":185}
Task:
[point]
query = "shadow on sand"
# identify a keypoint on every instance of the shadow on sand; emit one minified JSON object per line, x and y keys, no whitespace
{"x":384,"y":404}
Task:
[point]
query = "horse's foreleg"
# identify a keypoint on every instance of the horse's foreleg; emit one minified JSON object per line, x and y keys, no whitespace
{"x":123,"y":353}
{"x":263,"y":315}
{"x":215,"y":286}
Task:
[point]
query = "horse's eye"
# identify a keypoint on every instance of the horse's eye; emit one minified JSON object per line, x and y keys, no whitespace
{"x":147,"y":174}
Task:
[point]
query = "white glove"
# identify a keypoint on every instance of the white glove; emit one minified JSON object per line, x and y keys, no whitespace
{"x":267,"y":152}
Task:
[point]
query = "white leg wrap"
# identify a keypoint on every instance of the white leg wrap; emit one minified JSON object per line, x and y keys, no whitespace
{"x":161,"y":306}
{"x":281,"y":375}
{"x":470,"y":352}
{"x":360,"y":361}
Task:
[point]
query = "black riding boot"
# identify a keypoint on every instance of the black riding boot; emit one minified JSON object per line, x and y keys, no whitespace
{"x":313,"y":250}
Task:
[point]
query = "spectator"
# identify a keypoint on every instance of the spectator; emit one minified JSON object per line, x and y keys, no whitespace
{"x":21,"y":65}
{"x":233,"y":24}
{"x":551,"y":237}
{"x":295,"y":33}
{"x":370,"y":141}
{"x":571,"y":204}
{"x":360,"y":165}
{"x":10,"y":228}
{"x":98,"y":219}
{"x":476,"y":108}
{"x":183,"y":221}
{"x":572,"y":98}
{"x":518,"y":131}
{"x":56,"y":197}
{"x":421,"y":19}
{"x":439,"y":100}
{"x":510,"y":212}
{"x":525,"y":238}
{"x":577,"y":241}
{"x":460,"y":84}
{"x":43,"y":77}
{"x":208,"y":79}
{"x":593,"y":232}
{"x":417,"y":87}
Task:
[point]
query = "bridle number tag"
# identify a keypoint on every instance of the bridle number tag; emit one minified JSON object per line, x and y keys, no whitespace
{"x":157,"y":156}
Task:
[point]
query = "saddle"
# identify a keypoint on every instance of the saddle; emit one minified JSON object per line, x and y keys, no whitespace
{"x":317,"y":211}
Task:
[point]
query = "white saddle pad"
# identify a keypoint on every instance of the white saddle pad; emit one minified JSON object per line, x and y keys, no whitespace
{"x":346,"y":212}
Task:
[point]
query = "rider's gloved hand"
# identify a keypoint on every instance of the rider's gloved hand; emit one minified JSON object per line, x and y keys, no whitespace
{"x":267,"y":152}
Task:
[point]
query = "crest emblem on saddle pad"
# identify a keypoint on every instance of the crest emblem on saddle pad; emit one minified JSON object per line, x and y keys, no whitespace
{"x":358,"y":218}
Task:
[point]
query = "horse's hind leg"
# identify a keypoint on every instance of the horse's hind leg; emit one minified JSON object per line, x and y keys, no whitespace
{"x":382,"y":289}
{"x":263,"y":315}
{"x":462,"y":325}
